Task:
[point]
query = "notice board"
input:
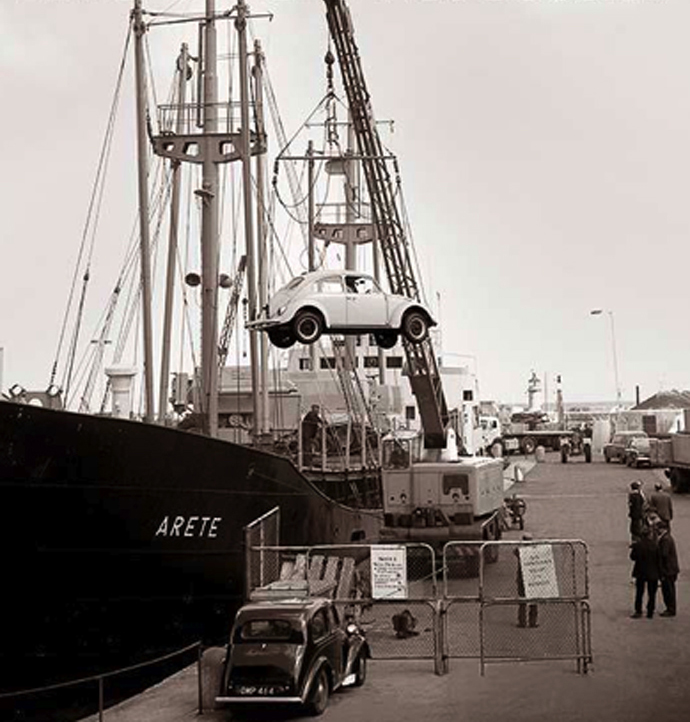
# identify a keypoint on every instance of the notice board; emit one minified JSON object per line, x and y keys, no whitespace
{"x":538,"y":570}
{"x":388,"y":571}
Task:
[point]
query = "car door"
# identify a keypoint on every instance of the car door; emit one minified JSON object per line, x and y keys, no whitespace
{"x":325,"y":640}
{"x":617,"y":446}
{"x":367,"y":305}
{"x":329,"y":293}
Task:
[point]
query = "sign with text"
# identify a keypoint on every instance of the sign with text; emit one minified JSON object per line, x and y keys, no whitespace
{"x":538,"y":570}
{"x":388,"y":571}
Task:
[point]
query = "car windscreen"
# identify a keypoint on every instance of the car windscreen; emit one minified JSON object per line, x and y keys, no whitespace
{"x":292,"y":285}
{"x":269,"y":630}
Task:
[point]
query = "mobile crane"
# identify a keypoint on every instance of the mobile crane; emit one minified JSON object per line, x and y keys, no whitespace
{"x":427,"y":501}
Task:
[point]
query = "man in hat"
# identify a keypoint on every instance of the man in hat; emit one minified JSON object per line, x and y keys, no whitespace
{"x":644,"y":552}
{"x":636,"y":509}
{"x":668,"y":567}
{"x":660,"y":502}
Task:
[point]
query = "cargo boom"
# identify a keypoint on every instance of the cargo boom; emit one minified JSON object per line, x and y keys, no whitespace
{"x":432,"y":500}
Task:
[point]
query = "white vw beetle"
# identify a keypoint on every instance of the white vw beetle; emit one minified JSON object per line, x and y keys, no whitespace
{"x":343,"y":302}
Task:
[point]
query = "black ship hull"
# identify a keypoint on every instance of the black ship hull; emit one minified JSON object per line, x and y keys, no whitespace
{"x":120,"y":540}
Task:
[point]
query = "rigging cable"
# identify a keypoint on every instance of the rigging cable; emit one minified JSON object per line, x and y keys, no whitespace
{"x":87,"y":234}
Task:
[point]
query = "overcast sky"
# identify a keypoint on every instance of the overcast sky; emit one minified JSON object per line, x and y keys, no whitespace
{"x":544,"y":146}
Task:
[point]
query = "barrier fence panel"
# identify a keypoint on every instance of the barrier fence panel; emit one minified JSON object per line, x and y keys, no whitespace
{"x":390,"y":590}
{"x":261,"y":567}
{"x":391,"y":594}
{"x":528,"y":600}
{"x":495,"y":601}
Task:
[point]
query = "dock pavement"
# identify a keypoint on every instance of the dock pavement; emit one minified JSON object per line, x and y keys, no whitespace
{"x":640,"y":665}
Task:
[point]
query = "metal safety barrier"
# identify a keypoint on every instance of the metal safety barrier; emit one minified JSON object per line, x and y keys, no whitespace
{"x":525,"y":601}
{"x":494,"y":601}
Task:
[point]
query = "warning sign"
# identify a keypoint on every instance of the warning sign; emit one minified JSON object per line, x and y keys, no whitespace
{"x":388,"y":572}
{"x":538,"y":571}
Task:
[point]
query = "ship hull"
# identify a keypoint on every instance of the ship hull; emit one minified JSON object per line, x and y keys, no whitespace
{"x":122,"y":539}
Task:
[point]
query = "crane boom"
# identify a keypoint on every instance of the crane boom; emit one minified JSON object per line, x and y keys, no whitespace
{"x":231,"y":313}
{"x":422,"y":367}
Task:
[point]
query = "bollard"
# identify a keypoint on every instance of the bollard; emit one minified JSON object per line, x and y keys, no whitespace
{"x":519,"y":473}
{"x":540,"y":454}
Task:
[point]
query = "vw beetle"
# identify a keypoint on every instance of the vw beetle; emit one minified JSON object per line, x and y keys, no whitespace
{"x":343,"y":302}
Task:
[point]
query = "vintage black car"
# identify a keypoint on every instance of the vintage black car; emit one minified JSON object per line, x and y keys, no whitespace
{"x":615,"y":449}
{"x":292,"y":651}
{"x":638,"y":452}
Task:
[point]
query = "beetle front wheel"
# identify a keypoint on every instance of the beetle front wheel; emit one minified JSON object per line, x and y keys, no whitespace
{"x":281,"y":337}
{"x":308,"y":327}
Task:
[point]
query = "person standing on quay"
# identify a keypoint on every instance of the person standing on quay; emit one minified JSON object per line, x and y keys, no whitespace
{"x":311,"y":426}
{"x":668,"y":567}
{"x":525,"y":611}
{"x":661,"y":503}
{"x":644,"y":551}
{"x":636,"y":509}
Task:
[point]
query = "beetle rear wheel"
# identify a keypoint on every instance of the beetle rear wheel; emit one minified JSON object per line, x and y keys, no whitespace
{"x":415,"y":326}
{"x":318,"y":698}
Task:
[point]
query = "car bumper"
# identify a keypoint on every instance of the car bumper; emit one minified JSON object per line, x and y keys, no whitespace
{"x":257,"y":699}
{"x":264,"y":323}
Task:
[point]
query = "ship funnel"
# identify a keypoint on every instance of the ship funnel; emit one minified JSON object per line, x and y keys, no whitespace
{"x":121,"y":388}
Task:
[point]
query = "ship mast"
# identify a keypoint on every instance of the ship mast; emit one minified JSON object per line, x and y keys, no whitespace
{"x":188,"y":136}
{"x":144,"y":242}
{"x":209,"y":233}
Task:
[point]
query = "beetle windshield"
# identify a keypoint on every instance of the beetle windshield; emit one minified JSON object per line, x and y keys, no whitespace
{"x":269,"y":630}
{"x":292,"y":285}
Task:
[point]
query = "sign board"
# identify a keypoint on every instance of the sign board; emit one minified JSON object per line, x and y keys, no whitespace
{"x":388,"y":571}
{"x":538,"y":571}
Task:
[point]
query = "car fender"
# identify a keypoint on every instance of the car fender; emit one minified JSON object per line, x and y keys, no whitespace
{"x":291,"y":312}
{"x":358,"y":646}
{"x":319,"y":663}
{"x":399,"y":308}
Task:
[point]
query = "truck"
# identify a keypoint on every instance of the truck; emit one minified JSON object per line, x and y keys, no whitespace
{"x":523,"y":433}
{"x":434,"y":502}
{"x":673,"y":453}
{"x":444,"y":497}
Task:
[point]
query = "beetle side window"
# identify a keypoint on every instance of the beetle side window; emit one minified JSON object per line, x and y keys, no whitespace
{"x":331,"y":285}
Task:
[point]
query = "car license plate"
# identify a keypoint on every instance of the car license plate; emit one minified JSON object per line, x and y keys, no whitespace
{"x":260,"y":691}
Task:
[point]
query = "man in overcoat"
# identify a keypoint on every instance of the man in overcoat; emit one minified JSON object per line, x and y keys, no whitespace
{"x":644,"y":552}
{"x":660,"y":502}
{"x":636,"y":509}
{"x":668,"y":567}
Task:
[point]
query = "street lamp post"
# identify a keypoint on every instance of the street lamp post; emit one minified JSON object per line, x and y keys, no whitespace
{"x":598,"y":312}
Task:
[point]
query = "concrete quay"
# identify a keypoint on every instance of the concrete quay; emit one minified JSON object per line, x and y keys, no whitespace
{"x":640,"y":665}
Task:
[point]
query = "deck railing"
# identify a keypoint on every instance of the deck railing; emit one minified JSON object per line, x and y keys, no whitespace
{"x":100,"y":679}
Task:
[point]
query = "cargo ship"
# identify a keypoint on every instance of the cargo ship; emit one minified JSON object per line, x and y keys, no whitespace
{"x":123,"y":537}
